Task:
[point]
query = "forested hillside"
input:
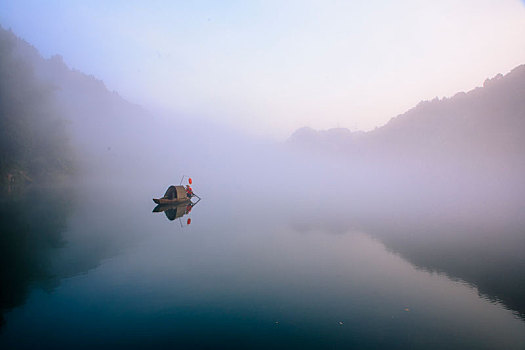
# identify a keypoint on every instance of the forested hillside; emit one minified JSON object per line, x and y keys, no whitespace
{"x":34,"y":143}
{"x":483,"y":127}
{"x":58,"y":121}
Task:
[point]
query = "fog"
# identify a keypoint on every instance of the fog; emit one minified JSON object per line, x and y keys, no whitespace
{"x":457,"y":213}
{"x":448,"y":204}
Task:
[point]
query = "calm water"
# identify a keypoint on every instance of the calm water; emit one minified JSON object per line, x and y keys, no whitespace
{"x":94,"y":267}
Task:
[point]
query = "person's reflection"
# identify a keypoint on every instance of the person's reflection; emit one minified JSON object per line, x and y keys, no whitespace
{"x":188,"y":207}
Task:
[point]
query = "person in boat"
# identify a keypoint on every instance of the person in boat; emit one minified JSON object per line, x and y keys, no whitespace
{"x":189,"y":191}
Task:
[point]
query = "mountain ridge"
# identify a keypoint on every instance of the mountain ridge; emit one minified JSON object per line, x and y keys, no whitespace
{"x":97,"y":122}
{"x":485,"y":121}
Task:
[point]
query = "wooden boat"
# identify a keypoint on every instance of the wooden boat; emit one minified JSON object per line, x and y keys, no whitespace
{"x":173,"y":195}
{"x":175,"y":201}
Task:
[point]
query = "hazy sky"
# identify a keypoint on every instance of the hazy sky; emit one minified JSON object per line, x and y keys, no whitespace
{"x":272,"y":66}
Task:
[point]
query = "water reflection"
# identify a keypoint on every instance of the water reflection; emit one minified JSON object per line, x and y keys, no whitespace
{"x":488,"y":256}
{"x":47,"y":234}
{"x":492,"y":260}
{"x":261,"y":273}
{"x":32,"y":222}
{"x":176,"y":211}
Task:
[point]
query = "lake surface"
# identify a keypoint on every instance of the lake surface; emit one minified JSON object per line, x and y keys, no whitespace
{"x":93,"y":267}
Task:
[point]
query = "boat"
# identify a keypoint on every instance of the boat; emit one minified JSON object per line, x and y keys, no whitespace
{"x":175,"y":201}
{"x":174,"y":195}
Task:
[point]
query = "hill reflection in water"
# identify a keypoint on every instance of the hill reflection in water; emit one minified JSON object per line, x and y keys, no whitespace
{"x":265,"y":273}
{"x":32,"y":223}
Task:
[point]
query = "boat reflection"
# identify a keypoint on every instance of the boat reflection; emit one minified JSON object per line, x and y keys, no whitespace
{"x":177,"y":210}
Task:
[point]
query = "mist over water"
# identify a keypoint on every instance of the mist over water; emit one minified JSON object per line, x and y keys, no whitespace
{"x":286,"y":249}
{"x":290,"y":246}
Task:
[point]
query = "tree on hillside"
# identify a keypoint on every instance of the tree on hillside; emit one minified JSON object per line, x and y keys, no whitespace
{"x":33,"y":140}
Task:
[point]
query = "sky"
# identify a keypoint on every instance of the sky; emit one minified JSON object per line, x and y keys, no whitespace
{"x":270,"y":67}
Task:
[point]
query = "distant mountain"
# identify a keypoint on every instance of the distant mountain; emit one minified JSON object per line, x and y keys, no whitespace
{"x":97,"y":126}
{"x":83,"y":99}
{"x":484,"y":126}
{"x":33,"y":139}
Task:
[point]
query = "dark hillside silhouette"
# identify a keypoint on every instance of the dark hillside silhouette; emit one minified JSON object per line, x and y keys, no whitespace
{"x":98,"y":123}
{"x":483,"y":128}
{"x":34,"y":143}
